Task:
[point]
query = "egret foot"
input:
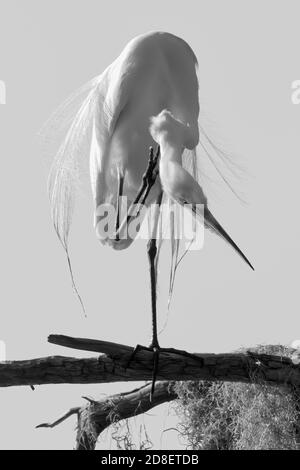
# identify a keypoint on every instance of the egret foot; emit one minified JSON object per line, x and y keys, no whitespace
{"x":149,"y":178}
{"x":148,"y":181}
{"x":156,"y":349}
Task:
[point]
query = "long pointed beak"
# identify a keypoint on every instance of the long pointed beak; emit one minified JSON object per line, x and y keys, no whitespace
{"x":211,"y":222}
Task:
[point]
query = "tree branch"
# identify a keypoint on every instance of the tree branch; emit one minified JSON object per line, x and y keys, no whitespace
{"x":71,"y":412}
{"x":112,"y":366}
{"x":94,"y":418}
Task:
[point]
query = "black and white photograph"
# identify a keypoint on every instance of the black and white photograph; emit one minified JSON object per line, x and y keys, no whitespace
{"x":150,"y":167}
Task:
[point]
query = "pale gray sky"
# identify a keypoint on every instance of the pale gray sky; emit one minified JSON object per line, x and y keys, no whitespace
{"x":248,"y":58}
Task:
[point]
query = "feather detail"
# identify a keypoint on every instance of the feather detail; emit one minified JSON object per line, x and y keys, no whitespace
{"x":81,"y":109}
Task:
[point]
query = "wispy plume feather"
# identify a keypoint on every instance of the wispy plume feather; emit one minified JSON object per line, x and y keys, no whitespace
{"x":79,"y":113}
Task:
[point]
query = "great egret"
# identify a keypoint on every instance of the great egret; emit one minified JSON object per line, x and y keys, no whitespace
{"x":147,"y":96}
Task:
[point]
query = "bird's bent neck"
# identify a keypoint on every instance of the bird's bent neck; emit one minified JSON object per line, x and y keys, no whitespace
{"x":170,"y":152}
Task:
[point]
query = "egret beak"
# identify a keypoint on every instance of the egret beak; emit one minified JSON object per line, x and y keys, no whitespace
{"x":211,"y":223}
{"x":120,"y":193}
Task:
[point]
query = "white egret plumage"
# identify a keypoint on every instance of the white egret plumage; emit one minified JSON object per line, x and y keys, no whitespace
{"x":148,"y":96}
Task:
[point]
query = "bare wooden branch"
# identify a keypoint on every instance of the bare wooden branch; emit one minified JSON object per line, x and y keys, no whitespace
{"x":94,"y":345}
{"x":94,"y":418}
{"x":71,"y":412}
{"x":112,"y":366}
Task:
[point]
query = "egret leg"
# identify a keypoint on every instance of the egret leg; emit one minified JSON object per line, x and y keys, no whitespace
{"x":152,"y":257}
{"x":120,"y":192}
{"x":154,"y":345}
{"x":149,"y":177}
{"x":152,"y":254}
{"x":148,"y":182}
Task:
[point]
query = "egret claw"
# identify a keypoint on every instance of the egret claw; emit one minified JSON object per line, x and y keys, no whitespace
{"x":156,"y":349}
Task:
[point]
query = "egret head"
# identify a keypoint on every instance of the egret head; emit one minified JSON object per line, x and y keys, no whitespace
{"x":166,"y":128}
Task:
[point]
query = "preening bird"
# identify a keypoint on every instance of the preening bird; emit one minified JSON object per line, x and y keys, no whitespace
{"x":147,"y":98}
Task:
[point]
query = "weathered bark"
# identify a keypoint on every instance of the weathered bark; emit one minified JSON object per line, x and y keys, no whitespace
{"x":112,"y":366}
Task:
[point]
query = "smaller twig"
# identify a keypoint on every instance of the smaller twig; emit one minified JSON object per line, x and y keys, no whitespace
{"x":84,"y":344}
{"x":90,"y":400}
{"x":71,"y":412}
